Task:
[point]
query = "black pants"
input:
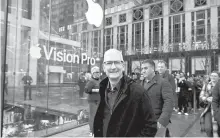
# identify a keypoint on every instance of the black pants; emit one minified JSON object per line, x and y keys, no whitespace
{"x":27,"y":88}
{"x":182,"y":103}
{"x":81,"y":91}
{"x":167,"y":133}
{"x":6,"y":89}
{"x":197,"y":101}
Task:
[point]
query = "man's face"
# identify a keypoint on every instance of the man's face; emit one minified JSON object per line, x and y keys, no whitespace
{"x":214,"y":77}
{"x":161,"y":68}
{"x":113,"y":66}
{"x":147,"y":70}
{"x":96,"y":74}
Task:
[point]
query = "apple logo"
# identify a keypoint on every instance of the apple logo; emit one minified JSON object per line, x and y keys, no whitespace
{"x":94,"y":15}
{"x":35,"y":52}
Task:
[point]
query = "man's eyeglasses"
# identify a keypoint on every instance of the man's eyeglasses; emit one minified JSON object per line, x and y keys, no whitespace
{"x":116,"y":63}
{"x":95,"y":72}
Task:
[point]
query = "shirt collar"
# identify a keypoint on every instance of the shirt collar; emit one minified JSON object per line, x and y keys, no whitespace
{"x":116,"y":88}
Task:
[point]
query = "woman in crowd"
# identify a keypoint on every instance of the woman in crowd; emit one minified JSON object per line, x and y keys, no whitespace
{"x":92,"y":89}
{"x":206,"y":100}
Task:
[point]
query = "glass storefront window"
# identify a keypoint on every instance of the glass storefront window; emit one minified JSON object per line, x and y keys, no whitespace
{"x":45,"y":66}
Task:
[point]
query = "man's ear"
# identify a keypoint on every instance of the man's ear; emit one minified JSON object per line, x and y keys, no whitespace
{"x":103,"y":67}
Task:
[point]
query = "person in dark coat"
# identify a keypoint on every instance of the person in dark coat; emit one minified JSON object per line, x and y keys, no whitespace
{"x":164,"y":73}
{"x":184,"y":94}
{"x":92,"y":88}
{"x":27,"y":80}
{"x":125,"y":109}
{"x":206,"y":121}
{"x":160,"y":93}
{"x":216,"y":109}
{"x":82,"y":84}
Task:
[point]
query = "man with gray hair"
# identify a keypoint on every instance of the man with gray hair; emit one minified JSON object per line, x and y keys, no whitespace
{"x":125,"y":109}
{"x":92,"y":88}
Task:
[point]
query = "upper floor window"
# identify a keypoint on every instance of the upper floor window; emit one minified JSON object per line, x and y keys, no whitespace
{"x":176,"y":33}
{"x":108,"y":21}
{"x":201,"y":29}
{"x":75,"y":28}
{"x":27,"y":9}
{"x":156,"y":10}
{"x":138,"y":14}
{"x":155,"y":34}
{"x":122,"y":18}
{"x":176,"y":6}
{"x":84,"y":26}
{"x":96,"y":42}
{"x":200,"y":3}
{"x":122,"y":39}
{"x":108,"y":38}
{"x":138,"y":38}
{"x":85,"y":40}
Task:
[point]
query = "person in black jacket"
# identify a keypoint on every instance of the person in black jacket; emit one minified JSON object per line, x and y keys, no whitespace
{"x":92,"y":88}
{"x":27,"y":80}
{"x":184,"y":94}
{"x":125,"y":109}
{"x":82,"y":84}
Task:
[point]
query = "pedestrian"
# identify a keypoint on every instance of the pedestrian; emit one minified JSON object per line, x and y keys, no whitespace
{"x":197,"y":87}
{"x":27,"y":80}
{"x":82,"y":84}
{"x":92,"y":89}
{"x":6,"y":85}
{"x":164,"y":73}
{"x":125,"y":109}
{"x":177,"y":75}
{"x":183,"y":94}
{"x":215,"y":104}
{"x":160,"y":93}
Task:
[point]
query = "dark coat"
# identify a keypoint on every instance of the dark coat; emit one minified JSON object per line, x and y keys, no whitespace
{"x":216,"y":101}
{"x":132,"y":116}
{"x":184,"y":89}
{"x":170,"y":79}
{"x":161,"y":95}
{"x":92,"y":84}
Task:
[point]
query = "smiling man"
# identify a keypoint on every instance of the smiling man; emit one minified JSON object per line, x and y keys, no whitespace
{"x":125,"y":109}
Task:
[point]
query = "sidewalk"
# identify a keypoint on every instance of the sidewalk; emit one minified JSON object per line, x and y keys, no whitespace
{"x":180,"y":123}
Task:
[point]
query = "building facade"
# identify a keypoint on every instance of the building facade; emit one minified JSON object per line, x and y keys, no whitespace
{"x":182,"y":32}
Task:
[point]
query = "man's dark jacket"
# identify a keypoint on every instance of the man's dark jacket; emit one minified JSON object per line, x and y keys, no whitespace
{"x":93,"y":83}
{"x":161,"y":95}
{"x":132,"y":116}
{"x":216,"y":101}
{"x":170,"y":79}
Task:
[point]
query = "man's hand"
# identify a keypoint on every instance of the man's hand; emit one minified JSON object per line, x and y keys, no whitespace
{"x":159,"y":125}
{"x":209,"y":99}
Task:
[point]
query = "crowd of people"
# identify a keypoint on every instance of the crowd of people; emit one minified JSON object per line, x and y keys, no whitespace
{"x":142,"y":104}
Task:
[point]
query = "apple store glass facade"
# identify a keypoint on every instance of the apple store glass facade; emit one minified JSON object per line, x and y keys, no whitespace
{"x":43,"y":64}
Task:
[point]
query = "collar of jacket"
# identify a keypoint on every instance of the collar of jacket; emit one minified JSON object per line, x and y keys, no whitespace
{"x":166,"y":73}
{"x":154,"y":79}
{"x":95,"y":78}
{"x":125,"y":82}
